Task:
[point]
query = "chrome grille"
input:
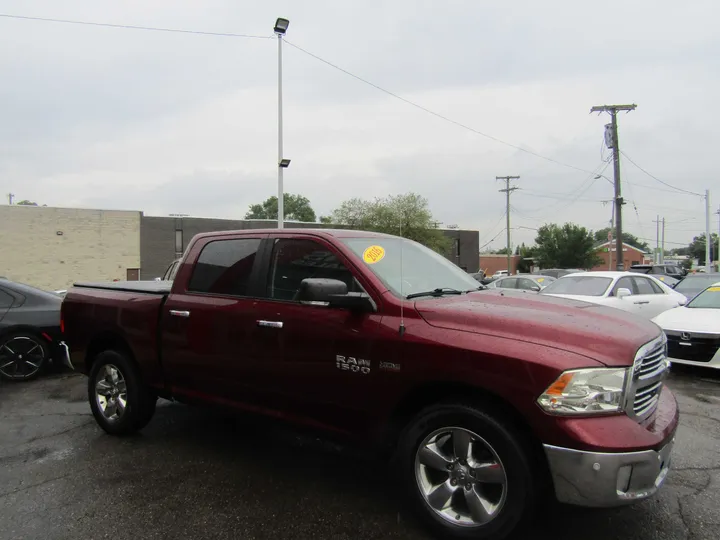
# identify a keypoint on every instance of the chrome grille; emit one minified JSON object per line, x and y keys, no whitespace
{"x":646,"y":384}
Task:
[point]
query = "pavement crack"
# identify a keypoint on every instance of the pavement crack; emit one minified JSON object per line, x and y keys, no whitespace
{"x":31,"y":486}
{"x":698,"y":415}
{"x":51,"y":435}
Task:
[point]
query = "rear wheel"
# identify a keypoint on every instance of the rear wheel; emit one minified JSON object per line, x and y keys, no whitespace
{"x":22,"y":356}
{"x":120,"y":402}
{"x":466,"y":473}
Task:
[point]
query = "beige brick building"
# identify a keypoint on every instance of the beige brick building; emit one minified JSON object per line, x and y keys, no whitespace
{"x":51,"y":248}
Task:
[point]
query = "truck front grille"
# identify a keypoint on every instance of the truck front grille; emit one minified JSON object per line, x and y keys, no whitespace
{"x":649,"y":370}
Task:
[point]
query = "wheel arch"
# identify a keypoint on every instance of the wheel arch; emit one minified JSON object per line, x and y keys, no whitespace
{"x":107,"y":341}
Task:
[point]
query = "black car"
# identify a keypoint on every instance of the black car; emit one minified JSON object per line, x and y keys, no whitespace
{"x":30,"y":335}
{"x":664,"y":269}
{"x":558,"y":272}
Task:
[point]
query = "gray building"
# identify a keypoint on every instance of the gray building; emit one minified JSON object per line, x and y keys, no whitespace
{"x":163,"y":239}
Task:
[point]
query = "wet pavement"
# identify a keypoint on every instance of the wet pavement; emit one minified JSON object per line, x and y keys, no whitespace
{"x":193,"y":473}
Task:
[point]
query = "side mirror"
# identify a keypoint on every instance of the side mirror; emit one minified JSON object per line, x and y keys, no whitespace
{"x":623,"y":292}
{"x":333,"y":293}
{"x":536,"y":288}
{"x":158,"y":279}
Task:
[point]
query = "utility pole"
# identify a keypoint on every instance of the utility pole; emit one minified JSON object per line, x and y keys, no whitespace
{"x":656,"y":258}
{"x":11,"y":196}
{"x":718,"y":214}
{"x":615,"y":145}
{"x":708,"y":239}
{"x":662,"y":247}
{"x":508,"y":190}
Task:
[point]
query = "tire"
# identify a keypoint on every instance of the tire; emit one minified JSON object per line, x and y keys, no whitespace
{"x":22,"y":356}
{"x":120,"y":402}
{"x":489,"y":495}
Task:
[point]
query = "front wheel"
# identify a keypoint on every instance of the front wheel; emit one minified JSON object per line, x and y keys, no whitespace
{"x":467,"y":474}
{"x":119,"y":400}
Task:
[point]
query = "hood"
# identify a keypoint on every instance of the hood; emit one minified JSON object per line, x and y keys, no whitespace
{"x":607,"y":335}
{"x":683,"y":319}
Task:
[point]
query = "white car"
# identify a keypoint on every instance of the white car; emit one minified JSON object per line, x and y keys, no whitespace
{"x":641,"y":294}
{"x":693,"y":331}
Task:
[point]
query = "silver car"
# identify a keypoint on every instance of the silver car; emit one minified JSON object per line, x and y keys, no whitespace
{"x":522,"y":282}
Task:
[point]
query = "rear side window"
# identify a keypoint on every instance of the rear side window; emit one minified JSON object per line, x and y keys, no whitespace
{"x":509,"y":283}
{"x":646,"y":286}
{"x":225,"y":267}
{"x":5,"y":300}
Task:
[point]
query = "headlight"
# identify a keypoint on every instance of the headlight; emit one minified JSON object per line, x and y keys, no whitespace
{"x":585,"y":391}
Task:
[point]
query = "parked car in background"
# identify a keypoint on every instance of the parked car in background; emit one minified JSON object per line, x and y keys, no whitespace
{"x":483,"y":398}
{"x":664,"y":269}
{"x":667,"y":280}
{"x":170,"y":271}
{"x":499,"y":274}
{"x":522,"y":282}
{"x":693,"y":330}
{"x":30,"y":334}
{"x":642,"y":295}
{"x":558,"y":272}
{"x":694,"y":284}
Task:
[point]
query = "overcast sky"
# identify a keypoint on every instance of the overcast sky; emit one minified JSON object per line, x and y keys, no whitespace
{"x":183,"y":123}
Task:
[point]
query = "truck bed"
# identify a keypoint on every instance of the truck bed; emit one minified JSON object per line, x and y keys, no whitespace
{"x":147,"y":287}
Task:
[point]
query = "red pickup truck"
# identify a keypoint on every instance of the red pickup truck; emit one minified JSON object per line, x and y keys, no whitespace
{"x":485,"y":398}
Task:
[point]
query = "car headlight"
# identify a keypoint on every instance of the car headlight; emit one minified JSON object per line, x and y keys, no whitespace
{"x":585,"y":391}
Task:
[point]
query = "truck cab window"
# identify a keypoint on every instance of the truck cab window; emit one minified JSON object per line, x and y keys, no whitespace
{"x":294,"y":260}
{"x":224,"y":267}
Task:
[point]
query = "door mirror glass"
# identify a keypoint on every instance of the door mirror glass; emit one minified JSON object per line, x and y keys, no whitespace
{"x":623,"y":292}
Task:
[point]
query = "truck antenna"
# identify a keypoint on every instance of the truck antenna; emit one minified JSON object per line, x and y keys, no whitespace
{"x":401,"y":330}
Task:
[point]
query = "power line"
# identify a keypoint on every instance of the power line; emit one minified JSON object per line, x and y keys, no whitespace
{"x":133,"y":27}
{"x":661,"y":181}
{"x":493,"y":239}
{"x":492,"y":228}
{"x":429,"y":111}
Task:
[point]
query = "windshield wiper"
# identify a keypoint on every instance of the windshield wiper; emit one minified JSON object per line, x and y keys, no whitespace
{"x":435,"y":292}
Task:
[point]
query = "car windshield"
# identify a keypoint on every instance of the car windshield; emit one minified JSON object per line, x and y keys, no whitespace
{"x":692,"y":285}
{"x":579,"y":285}
{"x":708,"y":299}
{"x":406,"y":267}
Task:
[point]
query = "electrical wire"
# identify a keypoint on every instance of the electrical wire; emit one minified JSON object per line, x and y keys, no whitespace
{"x":133,"y":27}
{"x":433,"y":113}
{"x":492,"y":240}
{"x":661,"y":181}
{"x":493,"y":228}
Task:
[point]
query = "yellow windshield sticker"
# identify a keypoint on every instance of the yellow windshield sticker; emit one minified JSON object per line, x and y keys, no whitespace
{"x":540,"y":279}
{"x":373,"y":254}
{"x":714,"y":289}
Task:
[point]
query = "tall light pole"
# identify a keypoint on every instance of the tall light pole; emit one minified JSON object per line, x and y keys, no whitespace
{"x":281,"y":26}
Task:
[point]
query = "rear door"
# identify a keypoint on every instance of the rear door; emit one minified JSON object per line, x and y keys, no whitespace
{"x":318,"y":362}
{"x":209,"y":317}
{"x":506,"y":283}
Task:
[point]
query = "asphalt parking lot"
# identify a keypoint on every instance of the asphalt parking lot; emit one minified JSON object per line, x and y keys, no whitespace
{"x":195,"y":474}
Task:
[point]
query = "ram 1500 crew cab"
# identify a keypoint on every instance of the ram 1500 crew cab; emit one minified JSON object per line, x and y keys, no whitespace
{"x":486,"y":398}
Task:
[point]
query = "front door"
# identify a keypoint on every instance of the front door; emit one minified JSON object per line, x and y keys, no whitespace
{"x":206,"y":328}
{"x":321,"y":361}
{"x":653,"y":300}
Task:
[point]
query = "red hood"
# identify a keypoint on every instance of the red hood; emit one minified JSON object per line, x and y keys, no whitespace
{"x":604,"y":334}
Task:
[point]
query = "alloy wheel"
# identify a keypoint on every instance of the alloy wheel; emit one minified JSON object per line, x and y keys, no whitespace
{"x":21,"y":357}
{"x":461,"y":477}
{"x":111,"y":392}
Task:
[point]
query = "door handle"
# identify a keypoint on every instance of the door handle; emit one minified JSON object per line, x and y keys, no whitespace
{"x":270,"y":324}
{"x":178,"y":313}
{"x":642,"y":302}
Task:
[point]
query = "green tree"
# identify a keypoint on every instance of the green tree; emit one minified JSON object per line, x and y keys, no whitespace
{"x":696,"y":249}
{"x":402,"y":215}
{"x":27,"y":203}
{"x":602,"y":235}
{"x":295,"y":207}
{"x":527,"y":255}
{"x":566,"y":246}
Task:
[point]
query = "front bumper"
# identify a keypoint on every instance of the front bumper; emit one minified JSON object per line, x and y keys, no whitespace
{"x":607,"y":479}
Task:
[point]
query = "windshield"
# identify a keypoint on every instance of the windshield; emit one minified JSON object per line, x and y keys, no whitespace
{"x":708,"y":299}
{"x":422,"y":268}
{"x":692,"y":285}
{"x":579,"y":285}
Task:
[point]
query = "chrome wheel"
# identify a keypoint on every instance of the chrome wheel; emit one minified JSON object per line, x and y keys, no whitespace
{"x":21,"y":357}
{"x":111,"y":392}
{"x":460,"y":477}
